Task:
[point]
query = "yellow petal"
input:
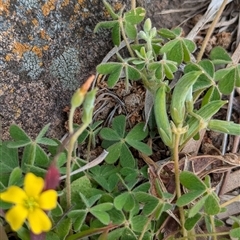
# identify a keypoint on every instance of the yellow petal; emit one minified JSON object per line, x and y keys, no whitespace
{"x":33,"y":185}
{"x":48,"y":200}
{"x":13,"y":194}
{"x":16,"y":216}
{"x":39,"y":221}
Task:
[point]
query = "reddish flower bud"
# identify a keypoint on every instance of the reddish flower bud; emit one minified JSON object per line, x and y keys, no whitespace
{"x":52,"y":177}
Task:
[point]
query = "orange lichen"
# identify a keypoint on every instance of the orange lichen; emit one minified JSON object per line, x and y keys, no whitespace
{"x":117,"y":6}
{"x":45,"y":48}
{"x":82,"y":2}
{"x":4,"y":5}
{"x":8,"y":57}
{"x":37,"y":51}
{"x":85,"y":14}
{"x":65,"y":3}
{"x":76,"y":8}
{"x":44,"y":35}
{"x":30,"y":37}
{"x":48,"y":7}
{"x":35,"y":22}
{"x":20,"y":48}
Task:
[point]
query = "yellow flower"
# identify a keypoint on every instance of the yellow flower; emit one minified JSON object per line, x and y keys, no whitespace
{"x":31,"y":202}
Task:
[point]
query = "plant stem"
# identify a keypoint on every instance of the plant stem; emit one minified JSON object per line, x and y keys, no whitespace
{"x":205,"y":235}
{"x":177,"y":180}
{"x":133,"y":4}
{"x":235,"y":199}
{"x":70,"y":119}
{"x":125,"y":38}
{"x":68,"y":172}
{"x":145,"y":227}
{"x":213,"y":227}
{"x":69,"y":161}
{"x":211,"y":29}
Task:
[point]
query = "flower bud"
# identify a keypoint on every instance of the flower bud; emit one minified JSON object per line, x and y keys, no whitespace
{"x":78,"y":96}
{"x":52,"y":178}
{"x":147,"y":25}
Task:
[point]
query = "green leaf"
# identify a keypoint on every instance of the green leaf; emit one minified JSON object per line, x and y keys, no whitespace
{"x":113,"y":69}
{"x":168,"y":46}
{"x":116,"y":233}
{"x":15,"y":177}
{"x":235,"y":233}
{"x":135,"y":16}
{"x":132,"y":73}
{"x":116,"y":34}
{"x":227,"y":82}
{"x":41,"y":158}
{"x":212,"y":94}
{"x":113,"y":153}
{"x":109,"y":134}
{"x":220,"y":56}
{"x":208,"y":67}
{"x":168,"y":71}
{"x":103,"y":217}
{"x":110,"y":10}
{"x":29,"y":155}
{"x":190,"y":181}
{"x":138,"y":223}
{"x":43,"y":132}
{"x":79,"y":221}
{"x":205,"y":79}
{"x":166,"y":33}
{"x":23,"y":234}
{"x":76,"y":213}
{"x":116,"y":216}
{"x":18,"y":134}
{"x":224,"y":127}
{"x":186,"y":53}
{"x":92,"y":200}
{"x":103,"y":207}
{"x":176,"y":53}
{"x":211,"y":205}
{"x":63,"y":228}
{"x":187,"y":198}
{"x":83,"y":136}
{"x":57,"y":211}
{"x":130,"y":203}
{"x":119,"y":125}
{"x":206,"y":112}
{"x":120,"y":200}
{"x":190,"y":45}
{"x":46,"y":141}
{"x":130,"y":30}
{"x":105,"y":24}
{"x":197,"y":207}
{"x":51,"y":236}
{"x":18,"y":144}
{"x":140,"y":146}
{"x":126,"y":157}
{"x":79,"y":186}
{"x":190,"y":223}
{"x":137,"y":133}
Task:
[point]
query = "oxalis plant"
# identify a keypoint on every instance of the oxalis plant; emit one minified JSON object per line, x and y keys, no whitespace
{"x":118,"y":199}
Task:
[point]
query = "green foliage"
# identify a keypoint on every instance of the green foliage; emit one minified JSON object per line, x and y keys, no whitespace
{"x":122,"y":23}
{"x":120,"y":199}
{"x":118,"y":141}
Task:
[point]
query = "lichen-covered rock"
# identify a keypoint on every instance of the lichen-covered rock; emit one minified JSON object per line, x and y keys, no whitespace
{"x":47,"y":49}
